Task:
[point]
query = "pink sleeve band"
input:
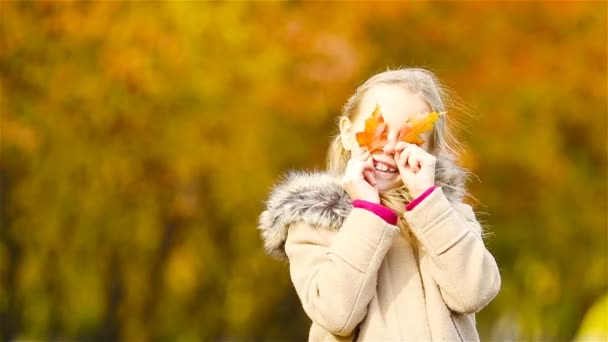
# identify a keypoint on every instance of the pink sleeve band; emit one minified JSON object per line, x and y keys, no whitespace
{"x":385,"y":213}
{"x":414,"y":203}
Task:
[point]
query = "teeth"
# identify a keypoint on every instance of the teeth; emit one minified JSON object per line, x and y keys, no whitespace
{"x":384,"y":168}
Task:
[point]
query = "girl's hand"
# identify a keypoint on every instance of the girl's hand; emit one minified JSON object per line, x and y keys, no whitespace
{"x":416,"y":166}
{"x":359,"y":181}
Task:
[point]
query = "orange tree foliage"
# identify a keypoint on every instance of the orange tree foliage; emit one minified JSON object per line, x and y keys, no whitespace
{"x":139,"y":139}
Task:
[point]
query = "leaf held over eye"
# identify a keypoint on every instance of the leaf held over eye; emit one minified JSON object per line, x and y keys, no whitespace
{"x":414,"y":127}
{"x":375,"y":134}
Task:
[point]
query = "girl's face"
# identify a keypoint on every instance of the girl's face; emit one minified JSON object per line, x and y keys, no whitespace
{"x":397,"y":105}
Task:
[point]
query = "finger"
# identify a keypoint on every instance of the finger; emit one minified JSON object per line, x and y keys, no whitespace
{"x":422,"y":156}
{"x":421,"y":153}
{"x":369,"y":177}
{"x":368,"y":165}
{"x":363,"y":165}
{"x":368,"y":171}
{"x":403,"y":158}
{"x":414,"y":161}
{"x":357,"y":164}
{"x":416,"y":148}
{"x":357,"y":152}
{"x":366,"y":161}
{"x":428,"y":159}
{"x":400,"y":146}
{"x":364,"y":156}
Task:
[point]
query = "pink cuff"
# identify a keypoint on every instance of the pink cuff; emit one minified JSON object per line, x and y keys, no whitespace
{"x":414,"y":203}
{"x":385,"y":213}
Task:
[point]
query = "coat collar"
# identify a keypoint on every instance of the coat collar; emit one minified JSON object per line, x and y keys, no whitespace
{"x":317,"y":199}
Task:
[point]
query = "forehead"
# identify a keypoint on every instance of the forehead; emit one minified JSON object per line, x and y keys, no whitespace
{"x":396,"y":102}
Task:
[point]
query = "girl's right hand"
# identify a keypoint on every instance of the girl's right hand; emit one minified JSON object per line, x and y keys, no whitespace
{"x":359,"y":181}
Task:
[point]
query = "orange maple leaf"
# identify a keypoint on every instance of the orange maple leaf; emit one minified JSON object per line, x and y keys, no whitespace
{"x":375,"y":134}
{"x":414,"y":127}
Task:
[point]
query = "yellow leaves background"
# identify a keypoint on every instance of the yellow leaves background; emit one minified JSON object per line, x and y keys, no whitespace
{"x":138,"y":141}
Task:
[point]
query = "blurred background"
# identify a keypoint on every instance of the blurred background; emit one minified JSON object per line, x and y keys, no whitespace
{"x":139,"y":141}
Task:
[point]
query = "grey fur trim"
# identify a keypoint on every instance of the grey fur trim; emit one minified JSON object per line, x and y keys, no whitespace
{"x":450,"y":177}
{"x":315,"y":198}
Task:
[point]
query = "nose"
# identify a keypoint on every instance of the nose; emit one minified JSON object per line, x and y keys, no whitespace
{"x":389,"y":148}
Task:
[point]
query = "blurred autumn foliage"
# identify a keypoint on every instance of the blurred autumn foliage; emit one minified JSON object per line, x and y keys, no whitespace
{"x":139,"y":140}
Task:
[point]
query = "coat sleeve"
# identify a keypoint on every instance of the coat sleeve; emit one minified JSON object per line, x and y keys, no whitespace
{"x":464,"y":269}
{"x":335,"y":273}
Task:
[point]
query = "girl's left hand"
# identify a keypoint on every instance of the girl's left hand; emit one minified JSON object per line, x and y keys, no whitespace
{"x":416,"y":166}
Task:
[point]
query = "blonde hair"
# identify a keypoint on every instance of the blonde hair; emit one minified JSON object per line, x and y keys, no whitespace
{"x":443,"y":145}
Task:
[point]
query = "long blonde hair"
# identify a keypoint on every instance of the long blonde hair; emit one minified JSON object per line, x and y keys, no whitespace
{"x":443,"y":144}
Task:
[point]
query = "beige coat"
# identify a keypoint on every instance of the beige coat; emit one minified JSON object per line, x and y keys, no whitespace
{"x":359,"y":279}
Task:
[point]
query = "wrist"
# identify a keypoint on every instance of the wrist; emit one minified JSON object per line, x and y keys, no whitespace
{"x":375,"y":200}
{"x":383,"y":212}
{"x":419,"y":191}
{"x":420,"y":198}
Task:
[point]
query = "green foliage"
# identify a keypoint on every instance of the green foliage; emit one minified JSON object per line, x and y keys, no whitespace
{"x":139,"y":140}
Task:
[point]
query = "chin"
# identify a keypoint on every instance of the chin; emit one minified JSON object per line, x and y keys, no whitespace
{"x":387,"y":180}
{"x":385,"y":185}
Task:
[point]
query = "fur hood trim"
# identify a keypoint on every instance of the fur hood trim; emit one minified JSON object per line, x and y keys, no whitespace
{"x":316,"y":198}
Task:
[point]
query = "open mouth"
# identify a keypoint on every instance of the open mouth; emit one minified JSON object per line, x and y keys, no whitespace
{"x":379,"y":166}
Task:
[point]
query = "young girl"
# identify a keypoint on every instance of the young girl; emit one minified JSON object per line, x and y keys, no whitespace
{"x":380,"y":247}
